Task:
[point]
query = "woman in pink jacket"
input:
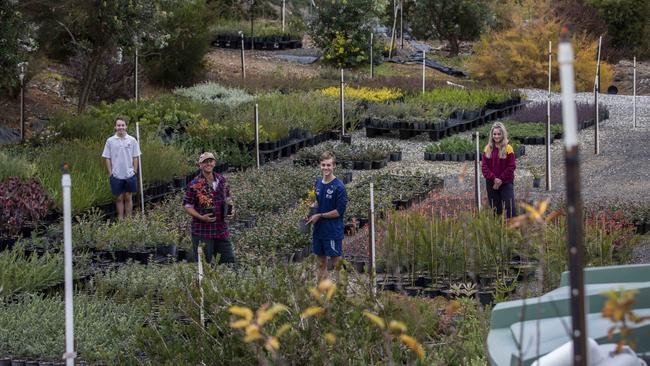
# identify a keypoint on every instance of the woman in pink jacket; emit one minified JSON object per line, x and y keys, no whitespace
{"x":498,"y":168}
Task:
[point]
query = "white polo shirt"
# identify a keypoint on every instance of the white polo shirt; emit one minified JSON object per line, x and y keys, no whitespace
{"x":121,"y":151}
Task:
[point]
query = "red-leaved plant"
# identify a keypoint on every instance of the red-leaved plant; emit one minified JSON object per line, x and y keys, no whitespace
{"x":22,"y":204}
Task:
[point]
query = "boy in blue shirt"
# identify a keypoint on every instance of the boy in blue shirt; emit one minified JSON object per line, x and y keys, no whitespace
{"x":332,"y":200}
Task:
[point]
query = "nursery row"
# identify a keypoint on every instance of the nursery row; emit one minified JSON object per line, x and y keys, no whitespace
{"x":353,"y":156}
{"x":462,"y":149}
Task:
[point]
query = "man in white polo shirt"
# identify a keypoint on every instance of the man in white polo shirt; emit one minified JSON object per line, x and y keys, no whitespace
{"x":122,"y":153}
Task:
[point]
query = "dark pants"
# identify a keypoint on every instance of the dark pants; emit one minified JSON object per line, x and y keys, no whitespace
{"x":210,"y":249}
{"x":502,"y":198}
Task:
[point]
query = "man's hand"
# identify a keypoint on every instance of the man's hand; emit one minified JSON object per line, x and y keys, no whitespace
{"x":314,"y":218}
{"x":208,"y":218}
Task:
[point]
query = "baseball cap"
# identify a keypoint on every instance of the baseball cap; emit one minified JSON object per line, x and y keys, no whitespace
{"x":205,"y":156}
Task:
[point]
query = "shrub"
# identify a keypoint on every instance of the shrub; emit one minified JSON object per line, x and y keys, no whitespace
{"x":181,"y":61}
{"x":14,"y":165}
{"x":20,"y":274}
{"x":518,"y":57}
{"x":22,"y":204}
{"x":627,"y":21}
{"x":365,"y":94}
{"x":342,"y":29}
{"x":209,"y":92}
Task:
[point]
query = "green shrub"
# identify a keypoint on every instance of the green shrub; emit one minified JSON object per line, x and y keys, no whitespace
{"x":15,"y":165}
{"x":181,"y":61}
{"x":20,"y":274}
{"x":209,"y":92}
{"x":627,"y":21}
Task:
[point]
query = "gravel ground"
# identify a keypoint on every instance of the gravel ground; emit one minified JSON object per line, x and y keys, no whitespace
{"x":621,"y":172}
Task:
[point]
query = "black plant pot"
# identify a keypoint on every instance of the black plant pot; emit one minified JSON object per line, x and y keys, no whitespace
{"x":427,"y":155}
{"x":121,"y":255}
{"x":181,"y":254}
{"x":431,"y":292}
{"x":376,"y":164}
{"x":357,"y":165}
{"x":359,"y":266}
{"x":166,"y":250}
{"x":347,"y":139}
{"x":347,"y":177}
{"x":394,"y":156}
{"x":413,"y":290}
{"x":5,"y":362}
{"x":423,"y":281}
{"x":536,"y":182}
{"x":367,"y":165}
{"x":486,"y":297}
{"x":17,"y":362}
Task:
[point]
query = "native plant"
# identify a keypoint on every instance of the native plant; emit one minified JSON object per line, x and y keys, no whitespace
{"x":22,"y":204}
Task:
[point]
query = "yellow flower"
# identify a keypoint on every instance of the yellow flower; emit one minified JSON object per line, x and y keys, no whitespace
{"x":330,"y":292}
{"x":244,"y":312}
{"x":264,"y":315}
{"x":239,"y":324}
{"x":330,"y":338}
{"x":325,"y":285}
{"x":375,"y":319}
{"x":312,"y":311}
{"x":413,"y":344}
{"x":314,"y":293}
{"x":397,"y":326}
{"x":283,"y":329}
{"x":272,"y":344}
{"x":252,"y":333}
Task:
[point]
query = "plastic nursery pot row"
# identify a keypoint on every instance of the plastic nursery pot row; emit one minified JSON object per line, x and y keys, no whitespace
{"x":439,"y":129}
{"x":286,"y":146}
{"x":407,"y":287}
{"x":259,"y":43}
{"x":642,"y":227}
{"x":466,"y":156}
{"x":8,"y":361}
{"x":356,"y":164}
{"x":161,"y":253}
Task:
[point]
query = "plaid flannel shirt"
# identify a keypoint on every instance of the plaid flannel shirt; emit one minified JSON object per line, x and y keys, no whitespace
{"x":200,"y":196}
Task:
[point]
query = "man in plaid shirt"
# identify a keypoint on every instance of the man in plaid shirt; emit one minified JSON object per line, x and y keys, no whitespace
{"x":205,"y":197}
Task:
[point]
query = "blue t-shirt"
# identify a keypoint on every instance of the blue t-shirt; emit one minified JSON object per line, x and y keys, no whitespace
{"x":330,"y":196}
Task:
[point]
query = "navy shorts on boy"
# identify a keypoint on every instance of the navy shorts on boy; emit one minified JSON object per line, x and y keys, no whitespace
{"x":327,"y":247}
{"x":119,"y":186}
{"x":330,"y":196}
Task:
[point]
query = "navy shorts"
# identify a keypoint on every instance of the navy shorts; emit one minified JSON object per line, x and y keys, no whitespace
{"x":119,"y":186}
{"x":327,"y":247}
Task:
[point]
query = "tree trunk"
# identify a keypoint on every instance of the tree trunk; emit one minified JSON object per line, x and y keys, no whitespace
{"x":454,"y":45}
{"x":88,"y":80}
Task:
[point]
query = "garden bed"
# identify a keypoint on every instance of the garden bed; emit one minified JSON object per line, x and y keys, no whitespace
{"x":460,"y":149}
{"x":352,"y":156}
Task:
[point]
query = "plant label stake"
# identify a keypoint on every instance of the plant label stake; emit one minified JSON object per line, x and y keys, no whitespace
{"x":548,"y":119}
{"x":634,"y":92}
{"x":200,"y":269}
{"x":21,"y":76}
{"x":424,"y":70}
{"x":257,"y":137}
{"x":596,"y":108}
{"x":342,"y":105}
{"x":392,"y":34}
{"x":135,"y":86}
{"x":372,"y":65}
{"x":371,"y":247}
{"x":477,"y":181}
{"x":574,"y":205}
{"x":137,"y":135}
{"x":401,"y":23}
{"x":243,"y":68}
{"x":66,"y":184}
{"x":284,"y":6}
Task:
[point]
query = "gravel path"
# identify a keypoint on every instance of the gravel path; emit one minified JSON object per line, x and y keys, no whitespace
{"x":621,"y":172}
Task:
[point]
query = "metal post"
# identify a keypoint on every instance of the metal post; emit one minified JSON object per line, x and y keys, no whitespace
{"x":137,"y":135}
{"x":477,"y":172}
{"x":597,"y":109}
{"x":21,"y":76}
{"x":137,"y":57}
{"x":243,"y":68}
{"x":66,"y":184}
{"x":284,"y":5}
{"x":372,"y":65}
{"x":548,"y":118}
{"x":424,"y":70}
{"x":634,"y":93}
{"x":257,"y":136}
{"x":401,"y":23}
{"x":342,"y":105}
{"x":200,"y":269}
{"x":371,"y":269}
{"x":252,"y":34}
{"x":574,"y":205}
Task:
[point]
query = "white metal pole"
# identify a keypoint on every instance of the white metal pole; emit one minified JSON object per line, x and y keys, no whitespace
{"x":200,"y":265}
{"x":373,"y":276}
{"x":401,"y":23}
{"x":66,"y":184}
{"x":634,"y":93}
{"x":548,"y":118}
{"x":243,"y":67}
{"x":22,"y":101}
{"x":137,"y":56}
{"x":257,"y":136}
{"x":477,"y":172}
{"x":424,"y":70}
{"x":137,"y":135}
{"x":372,"y":66}
{"x":596,"y":92}
{"x":342,"y":105}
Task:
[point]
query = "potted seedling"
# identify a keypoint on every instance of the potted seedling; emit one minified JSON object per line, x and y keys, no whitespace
{"x":536,"y":171}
